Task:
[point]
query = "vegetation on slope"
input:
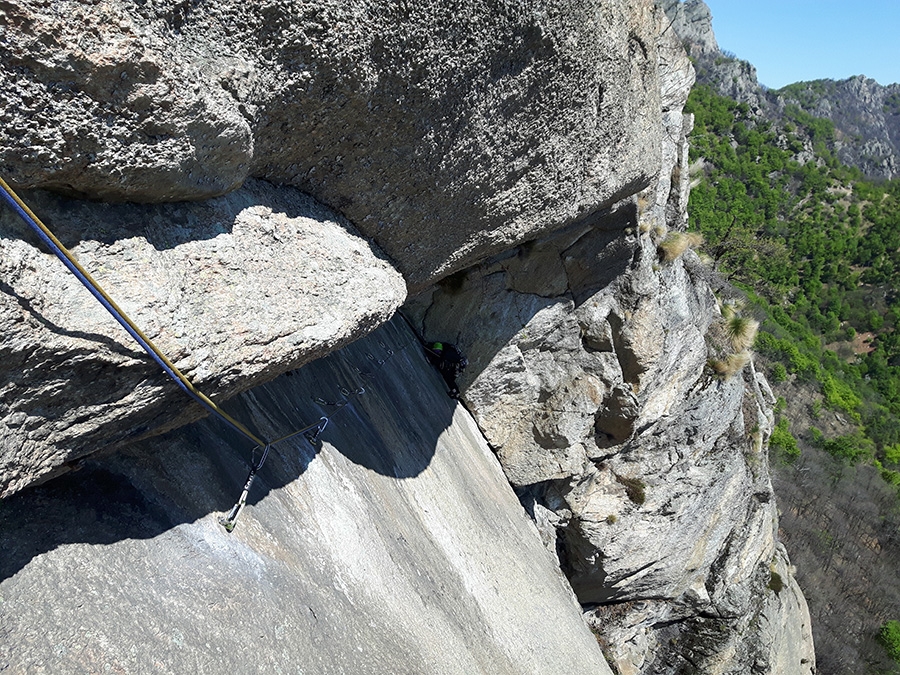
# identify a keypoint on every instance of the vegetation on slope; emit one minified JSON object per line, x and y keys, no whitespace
{"x":816,"y":248}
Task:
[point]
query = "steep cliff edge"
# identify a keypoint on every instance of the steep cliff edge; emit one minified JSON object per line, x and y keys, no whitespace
{"x":645,"y":469}
{"x":537,"y":155}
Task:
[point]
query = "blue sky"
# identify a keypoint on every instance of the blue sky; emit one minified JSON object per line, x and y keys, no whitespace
{"x":793,"y":40}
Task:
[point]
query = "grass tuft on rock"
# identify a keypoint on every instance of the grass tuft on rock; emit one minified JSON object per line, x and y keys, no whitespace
{"x":676,"y":243}
{"x":730,"y":365}
{"x":741,"y":330}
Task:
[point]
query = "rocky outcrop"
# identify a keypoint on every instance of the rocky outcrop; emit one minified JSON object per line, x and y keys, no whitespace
{"x":692,"y":22}
{"x":234,"y":290}
{"x":521,"y":170}
{"x":480,"y":124}
{"x":726,"y":73}
{"x":391,"y":545}
{"x":866,"y":117}
{"x":443,"y":134}
{"x":645,"y":470}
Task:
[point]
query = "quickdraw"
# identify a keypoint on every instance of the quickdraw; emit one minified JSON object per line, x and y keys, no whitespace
{"x":311,"y":432}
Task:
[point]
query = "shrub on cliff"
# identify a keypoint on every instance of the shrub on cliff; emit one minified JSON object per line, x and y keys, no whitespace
{"x":783,"y":441}
{"x":731,"y":364}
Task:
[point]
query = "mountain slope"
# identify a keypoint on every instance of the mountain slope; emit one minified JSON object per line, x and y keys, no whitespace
{"x":865,"y":114}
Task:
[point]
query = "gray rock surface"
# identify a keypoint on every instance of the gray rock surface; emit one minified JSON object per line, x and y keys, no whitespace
{"x":527,"y":159}
{"x":234,"y":290}
{"x":692,"y":22}
{"x":394,"y":545}
{"x":646,"y":472}
{"x":482,"y":124}
{"x":789,"y":641}
{"x":727,"y":74}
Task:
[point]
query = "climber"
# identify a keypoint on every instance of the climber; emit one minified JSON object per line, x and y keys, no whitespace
{"x":449,"y":361}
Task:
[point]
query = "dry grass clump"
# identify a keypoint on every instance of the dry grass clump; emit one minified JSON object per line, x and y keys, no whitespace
{"x":676,"y":243}
{"x":730,"y":339}
{"x":634,"y":488}
{"x":643,"y":201}
{"x":731,"y":364}
{"x":731,"y":308}
{"x":741,"y":330}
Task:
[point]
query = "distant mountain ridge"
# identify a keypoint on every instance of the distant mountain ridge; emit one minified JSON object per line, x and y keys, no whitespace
{"x":866,"y":117}
{"x":866,"y":114}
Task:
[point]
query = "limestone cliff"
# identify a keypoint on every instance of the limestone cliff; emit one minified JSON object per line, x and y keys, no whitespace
{"x":866,"y":117}
{"x":729,"y":75}
{"x":443,"y":132}
{"x":519,"y":171}
{"x":483,"y":123}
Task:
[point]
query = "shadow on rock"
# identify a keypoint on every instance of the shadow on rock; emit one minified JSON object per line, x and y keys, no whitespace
{"x":386,"y":408}
{"x":539,"y":285}
{"x":163,"y":226}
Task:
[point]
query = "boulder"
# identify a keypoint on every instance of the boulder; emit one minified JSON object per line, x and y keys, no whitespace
{"x":234,"y":290}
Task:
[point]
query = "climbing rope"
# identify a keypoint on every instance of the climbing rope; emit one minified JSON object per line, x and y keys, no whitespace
{"x":311,"y":432}
{"x":118,"y":314}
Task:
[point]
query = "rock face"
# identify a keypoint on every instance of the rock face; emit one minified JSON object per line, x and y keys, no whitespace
{"x":692,"y":23}
{"x":234,"y":290}
{"x":646,"y":472}
{"x":392,"y":545}
{"x":727,"y":74}
{"x":481,"y":124}
{"x":442,"y":133}
{"x":866,"y":117}
{"x":521,"y":168}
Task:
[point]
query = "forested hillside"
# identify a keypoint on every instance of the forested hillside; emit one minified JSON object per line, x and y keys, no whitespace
{"x":816,"y":248}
